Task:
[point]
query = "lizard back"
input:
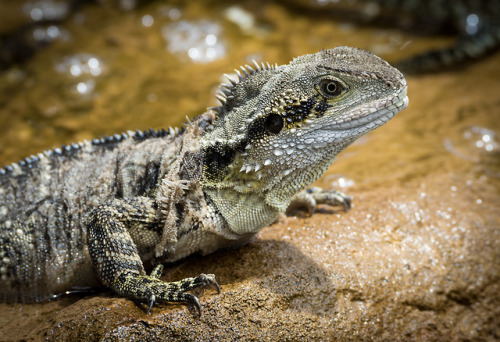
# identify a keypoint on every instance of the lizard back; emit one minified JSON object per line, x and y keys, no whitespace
{"x":43,"y":248}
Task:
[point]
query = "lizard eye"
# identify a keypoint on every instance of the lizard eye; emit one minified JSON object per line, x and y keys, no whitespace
{"x":331,"y":87}
{"x":274,"y":123}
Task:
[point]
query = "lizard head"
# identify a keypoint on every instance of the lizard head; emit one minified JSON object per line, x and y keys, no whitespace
{"x":280,"y":127}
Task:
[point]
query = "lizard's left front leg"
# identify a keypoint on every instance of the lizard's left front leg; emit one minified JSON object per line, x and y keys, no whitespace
{"x":117,"y":260}
{"x":308,"y":199}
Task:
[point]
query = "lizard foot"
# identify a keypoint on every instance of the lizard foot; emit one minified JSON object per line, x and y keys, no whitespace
{"x":151,"y":289}
{"x":310,"y":198}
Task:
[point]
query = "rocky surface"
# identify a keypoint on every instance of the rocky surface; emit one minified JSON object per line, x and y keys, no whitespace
{"x":417,"y":258}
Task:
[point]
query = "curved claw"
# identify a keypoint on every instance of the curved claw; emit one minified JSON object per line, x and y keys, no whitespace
{"x":151,"y":303}
{"x":150,"y":289}
{"x":194,"y":301}
{"x":347,"y":202}
{"x":217,"y":287}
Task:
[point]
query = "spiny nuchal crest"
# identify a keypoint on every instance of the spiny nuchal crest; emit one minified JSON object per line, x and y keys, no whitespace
{"x":285,"y":124}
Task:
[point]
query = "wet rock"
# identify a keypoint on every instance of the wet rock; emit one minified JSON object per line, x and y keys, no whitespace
{"x":412,"y":264}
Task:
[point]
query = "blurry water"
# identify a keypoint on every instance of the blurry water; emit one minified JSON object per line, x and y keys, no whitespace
{"x":46,"y":10}
{"x":475,"y":144}
{"x":200,"y":41}
{"x":82,"y":70}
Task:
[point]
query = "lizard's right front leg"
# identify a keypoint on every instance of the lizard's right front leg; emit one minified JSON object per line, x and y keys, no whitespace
{"x":117,"y":260}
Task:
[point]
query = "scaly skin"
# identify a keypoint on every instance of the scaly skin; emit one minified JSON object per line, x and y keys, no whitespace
{"x":96,"y":212}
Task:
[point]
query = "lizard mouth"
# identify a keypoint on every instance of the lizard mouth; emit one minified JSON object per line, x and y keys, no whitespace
{"x":373,"y":117}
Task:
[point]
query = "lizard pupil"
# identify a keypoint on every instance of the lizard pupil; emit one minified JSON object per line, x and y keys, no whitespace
{"x":331,"y":88}
{"x":274,"y":123}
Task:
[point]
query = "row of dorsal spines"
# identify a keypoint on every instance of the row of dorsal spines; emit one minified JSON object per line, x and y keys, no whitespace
{"x":105,"y":141}
{"x":225,"y":91}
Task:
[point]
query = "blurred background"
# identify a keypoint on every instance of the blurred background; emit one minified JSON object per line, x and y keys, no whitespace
{"x":420,"y":250}
{"x":77,"y":69}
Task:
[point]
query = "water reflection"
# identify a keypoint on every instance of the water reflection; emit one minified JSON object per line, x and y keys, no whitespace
{"x":50,"y":33}
{"x":471,"y":24}
{"x":482,"y":138}
{"x":476,"y":142}
{"x":79,"y":64}
{"x":85,"y":87}
{"x":46,"y":10}
{"x":82,"y":67}
{"x":200,"y":41}
{"x":240,"y":17}
{"x":147,"y":20}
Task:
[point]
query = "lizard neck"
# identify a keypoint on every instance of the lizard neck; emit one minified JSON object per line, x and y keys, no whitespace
{"x":239,"y":196}
{"x":248,"y":205}
{"x":281,"y":192}
{"x":245,"y":214}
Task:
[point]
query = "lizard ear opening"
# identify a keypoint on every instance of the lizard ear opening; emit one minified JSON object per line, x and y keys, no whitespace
{"x":274,"y":123}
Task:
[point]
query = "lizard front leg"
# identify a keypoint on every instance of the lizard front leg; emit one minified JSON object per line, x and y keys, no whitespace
{"x":116,"y":255}
{"x":308,"y":199}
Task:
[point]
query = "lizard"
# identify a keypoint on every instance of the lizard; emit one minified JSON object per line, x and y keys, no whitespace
{"x":101,"y":212}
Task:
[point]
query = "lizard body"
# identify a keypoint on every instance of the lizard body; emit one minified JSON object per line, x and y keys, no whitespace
{"x":98,"y":211}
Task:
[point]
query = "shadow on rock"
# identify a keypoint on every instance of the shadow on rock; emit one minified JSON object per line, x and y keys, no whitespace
{"x":264,"y":282}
